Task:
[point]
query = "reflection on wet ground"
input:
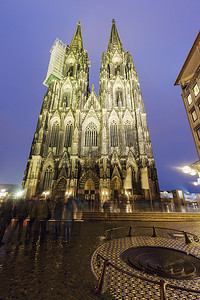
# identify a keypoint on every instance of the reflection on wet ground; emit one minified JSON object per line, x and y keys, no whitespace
{"x":57,"y":270}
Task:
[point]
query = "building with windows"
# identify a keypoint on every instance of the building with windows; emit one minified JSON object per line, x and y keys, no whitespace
{"x":189,"y":80}
{"x":94,"y":147}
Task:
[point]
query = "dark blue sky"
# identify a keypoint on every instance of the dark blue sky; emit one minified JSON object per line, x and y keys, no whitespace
{"x":159,"y":35}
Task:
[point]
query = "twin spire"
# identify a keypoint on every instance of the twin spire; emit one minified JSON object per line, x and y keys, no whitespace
{"x":114,"y":40}
{"x":77,"y":41}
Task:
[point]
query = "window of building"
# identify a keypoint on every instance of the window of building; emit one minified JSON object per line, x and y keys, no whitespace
{"x":67,"y":98}
{"x":196,"y":90}
{"x":54,"y":135}
{"x":119,"y":98}
{"x":108,"y":71}
{"x":189,"y":99}
{"x":48,"y":176}
{"x":198,"y":133}
{"x":128,"y":134}
{"x":91,"y":135}
{"x":68,"y":135}
{"x":71,"y":70}
{"x":113,"y":135}
{"x":194,"y":115}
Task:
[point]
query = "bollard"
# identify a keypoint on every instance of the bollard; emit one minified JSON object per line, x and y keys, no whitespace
{"x":154,"y":232}
{"x":109,"y":234}
{"x":163,"y":295}
{"x":187,"y":240}
{"x":130,"y":231}
{"x":99,"y":287}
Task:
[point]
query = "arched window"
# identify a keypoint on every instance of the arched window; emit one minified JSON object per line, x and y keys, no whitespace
{"x":48,"y":176}
{"x":113,"y":134}
{"x":119,"y":98}
{"x":91,"y":135}
{"x":54,"y":135}
{"x":108,"y":71}
{"x":67,"y":98}
{"x":68,"y":135}
{"x":71,"y":70}
{"x":128,"y":134}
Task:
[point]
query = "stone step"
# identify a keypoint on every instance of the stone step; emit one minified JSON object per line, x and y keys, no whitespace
{"x":142,"y":216}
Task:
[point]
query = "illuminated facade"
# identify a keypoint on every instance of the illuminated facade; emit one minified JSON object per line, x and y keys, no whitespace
{"x":189,"y":80}
{"x":94,"y":147}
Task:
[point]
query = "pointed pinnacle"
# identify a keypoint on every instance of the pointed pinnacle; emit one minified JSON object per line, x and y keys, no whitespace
{"x":114,"y":40}
{"x":77,"y":41}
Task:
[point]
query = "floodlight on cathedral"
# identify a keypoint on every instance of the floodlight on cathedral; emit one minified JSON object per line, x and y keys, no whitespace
{"x":95,"y":147}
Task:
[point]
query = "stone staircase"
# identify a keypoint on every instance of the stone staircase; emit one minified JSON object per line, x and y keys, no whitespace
{"x":142,"y":216}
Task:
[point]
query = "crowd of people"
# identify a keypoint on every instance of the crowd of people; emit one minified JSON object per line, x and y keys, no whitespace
{"x":34,"y":216}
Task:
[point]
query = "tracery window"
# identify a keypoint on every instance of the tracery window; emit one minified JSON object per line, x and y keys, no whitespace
{"x":113,"y":134}
{"x":68,"y":135}
{"x":67,"y":98}
{"x":54,"y":135}
{"x":119,"y":98}
{"x":91,"y":135}
{"x":71,"y":70}
{"x":108,"y":71}
{"x":48,"y":176}
{"x":128,"y":134}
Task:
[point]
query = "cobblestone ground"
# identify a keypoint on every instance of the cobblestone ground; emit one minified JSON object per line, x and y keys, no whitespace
{"x":57,"y":270}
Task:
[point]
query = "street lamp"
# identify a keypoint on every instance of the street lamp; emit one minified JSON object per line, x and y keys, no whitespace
{"x":45,"y":194}
{"x":68,"y":193}
{"x":193,"y":169}
{"x":186,"y":169}
{"x":19,"y":194}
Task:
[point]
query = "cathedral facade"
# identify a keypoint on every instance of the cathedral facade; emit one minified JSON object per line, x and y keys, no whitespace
{"x":95,"y":147}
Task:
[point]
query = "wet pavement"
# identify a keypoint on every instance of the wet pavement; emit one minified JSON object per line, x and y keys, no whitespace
{"x":57,"y":270}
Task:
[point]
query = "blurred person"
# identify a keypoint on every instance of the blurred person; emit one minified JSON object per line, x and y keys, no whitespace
{"x":57,"y":216}
{"x":77,"y":215}
{"x":19,"y":214}
{"x":31,"y":221}
{"x":48,"y":200}
{"x":68,"y":214}
{"x":42,"y":213}
{"x":5,"y":217}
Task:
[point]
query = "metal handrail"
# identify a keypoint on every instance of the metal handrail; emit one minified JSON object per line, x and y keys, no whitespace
{"x":162,"y":283}
{"x":185,"y":234}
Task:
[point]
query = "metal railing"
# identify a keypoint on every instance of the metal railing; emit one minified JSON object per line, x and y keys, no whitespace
{"x":186,"y":235}
{"x":162,"y":283}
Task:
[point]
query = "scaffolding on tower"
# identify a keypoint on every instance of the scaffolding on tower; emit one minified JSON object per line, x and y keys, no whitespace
{"x":55,"y":69}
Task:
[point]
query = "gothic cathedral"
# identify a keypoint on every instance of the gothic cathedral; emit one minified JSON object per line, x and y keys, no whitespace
{"x":89,"y":146}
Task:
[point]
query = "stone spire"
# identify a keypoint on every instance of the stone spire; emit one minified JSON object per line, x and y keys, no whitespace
{"x":114,"y":40}
{"x":77,"y":41}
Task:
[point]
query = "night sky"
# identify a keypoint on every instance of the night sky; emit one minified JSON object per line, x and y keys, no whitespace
{"x":158,"y":34}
